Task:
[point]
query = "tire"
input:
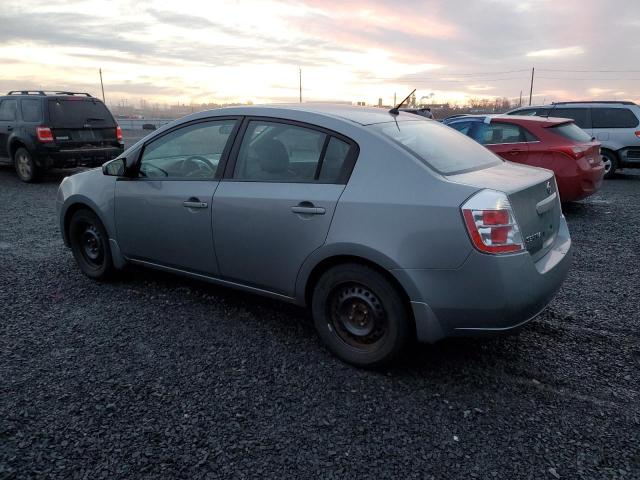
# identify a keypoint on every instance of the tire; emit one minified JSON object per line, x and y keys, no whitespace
{"x":25,"y":166}
{"x":90,"y":245}
{"x":360,"y":316}
{"x":610,"y":161}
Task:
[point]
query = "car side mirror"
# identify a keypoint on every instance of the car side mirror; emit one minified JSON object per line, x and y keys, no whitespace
{"x":115,"y":168}
{"x":593,"y":139}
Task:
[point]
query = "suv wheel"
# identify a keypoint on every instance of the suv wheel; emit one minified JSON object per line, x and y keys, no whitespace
{"x":90,"y":245}
{"x":25,"y":166}
{"x":610,"y":161}
{"x":360,"y":316}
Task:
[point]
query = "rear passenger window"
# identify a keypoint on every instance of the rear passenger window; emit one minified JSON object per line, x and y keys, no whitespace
{"x":613,"y":118}
{"x":496,"y":133}
{"x":333,"y":163}
{"x":8,"y":110}
{"x":579,"y":115}
{"x":279,"y":152}
{"x":31,"y":110}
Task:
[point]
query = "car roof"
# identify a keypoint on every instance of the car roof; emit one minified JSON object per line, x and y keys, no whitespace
{"x":531,"y":119}
{"x":593,"y":103}
{"x":359,"y":115}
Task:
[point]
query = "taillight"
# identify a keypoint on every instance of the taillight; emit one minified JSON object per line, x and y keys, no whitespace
{"x":119,"y":134}
{"x":638,"y":133}
{"x":491,"y":224}
{"x":44,"y":134}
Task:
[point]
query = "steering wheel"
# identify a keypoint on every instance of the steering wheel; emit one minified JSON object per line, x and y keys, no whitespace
{"x":201,"y":165}
{"x":148,"y":164}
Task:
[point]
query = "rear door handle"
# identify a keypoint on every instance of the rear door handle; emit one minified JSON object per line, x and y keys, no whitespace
{"x":307,"y":208}
{"x":194,"y":203}
{"x":9,"y":127}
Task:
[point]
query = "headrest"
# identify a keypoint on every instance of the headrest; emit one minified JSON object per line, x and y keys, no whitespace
{"x":273,"y":156}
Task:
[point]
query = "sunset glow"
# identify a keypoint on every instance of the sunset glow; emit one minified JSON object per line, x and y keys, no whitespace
{"x":243,"y":50}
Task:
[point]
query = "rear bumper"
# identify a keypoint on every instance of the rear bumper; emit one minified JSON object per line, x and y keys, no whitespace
{"x":630,"y":157}
{"x":75,"y":157}
{"x":581,"y":181}
{"x":488,"y":294}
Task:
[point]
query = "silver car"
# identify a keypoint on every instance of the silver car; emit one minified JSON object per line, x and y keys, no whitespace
{"x":389,"y":227}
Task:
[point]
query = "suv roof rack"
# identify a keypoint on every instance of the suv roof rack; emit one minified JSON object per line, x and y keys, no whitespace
{"x":46,"y":92}
{"x":619,"y":102}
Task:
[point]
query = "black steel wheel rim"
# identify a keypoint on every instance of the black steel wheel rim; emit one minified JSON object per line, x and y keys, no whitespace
{"x":357,"y":316}
{"x":91,"y":245}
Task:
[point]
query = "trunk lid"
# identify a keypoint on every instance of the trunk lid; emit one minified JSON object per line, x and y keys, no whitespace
{"x":533,"y":195}
{"x":78,"y":122}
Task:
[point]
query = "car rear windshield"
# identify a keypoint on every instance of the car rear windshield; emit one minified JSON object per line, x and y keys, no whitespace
{"x":79,"y":113}
{"x":442,"y":148}
{"x":571,"y":131}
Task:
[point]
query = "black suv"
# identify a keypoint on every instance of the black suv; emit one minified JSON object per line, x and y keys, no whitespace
{"x":40,"y":130}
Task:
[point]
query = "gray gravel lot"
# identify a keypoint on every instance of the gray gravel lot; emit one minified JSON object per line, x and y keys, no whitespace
{"x":155,"y":376}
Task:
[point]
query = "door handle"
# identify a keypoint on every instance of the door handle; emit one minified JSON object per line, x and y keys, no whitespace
{"x":515,"y":152}
{"x":9,"y":128}
{"x":308,"y":208}
{"x":194,"y":203}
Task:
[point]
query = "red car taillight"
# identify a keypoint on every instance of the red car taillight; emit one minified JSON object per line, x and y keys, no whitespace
{"x":119,"y":134}
{"x":638,"y":133}
{"x":44,"y":134}
{"x":491,"y":223}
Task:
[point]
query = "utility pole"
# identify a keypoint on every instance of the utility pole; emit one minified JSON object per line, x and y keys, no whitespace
{"x":102,"y":86}
{"x":394,"y":99}
{"x":533,"y":71}
{"x":300,"y":81}
{"x":520,"y":102}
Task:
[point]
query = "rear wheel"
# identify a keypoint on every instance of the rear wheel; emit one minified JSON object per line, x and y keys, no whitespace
{"x":360,"y":315}
{"x":25,"y":166}
{"x":610,"y":161}
{"x":90,"y":244}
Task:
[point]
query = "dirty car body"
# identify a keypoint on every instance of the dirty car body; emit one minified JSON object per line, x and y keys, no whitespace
{"x":388,"y":226}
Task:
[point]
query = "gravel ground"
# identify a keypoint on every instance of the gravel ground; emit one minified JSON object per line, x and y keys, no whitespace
{"x":155,"y":376}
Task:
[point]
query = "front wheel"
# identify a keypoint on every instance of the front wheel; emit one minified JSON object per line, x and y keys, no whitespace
{"x":610,"y":161}
{"x":25,"y":166}
{"x":360,"y":315}
{"x":90,"y":245}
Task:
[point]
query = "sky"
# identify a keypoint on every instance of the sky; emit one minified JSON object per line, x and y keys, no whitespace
{"x":219,"y":51}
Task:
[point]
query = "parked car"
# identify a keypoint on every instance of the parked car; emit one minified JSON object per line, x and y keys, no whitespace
{"x":389,"y":227}
{"x":41,"y":130}
{"x":422,"y":111}
{"x":553,"y":143}
{"x":616,"y":125}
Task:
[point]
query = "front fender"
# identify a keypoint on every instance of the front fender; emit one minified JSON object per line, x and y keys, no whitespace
{"x":91,"y":189}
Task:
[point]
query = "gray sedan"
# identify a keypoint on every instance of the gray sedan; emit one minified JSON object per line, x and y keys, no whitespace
{"x":388,"y":226}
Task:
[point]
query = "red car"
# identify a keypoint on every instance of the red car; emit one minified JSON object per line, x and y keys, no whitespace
{"x":557,"y":144}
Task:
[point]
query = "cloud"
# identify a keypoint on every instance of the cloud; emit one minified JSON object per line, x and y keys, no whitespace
{"x":361,"y":49}
{"x":557,"y":52}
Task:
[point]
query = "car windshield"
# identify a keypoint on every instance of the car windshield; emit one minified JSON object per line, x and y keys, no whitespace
{"x":79,"y":113}
{"x":571,"y":131}
{"x":442,"y":148}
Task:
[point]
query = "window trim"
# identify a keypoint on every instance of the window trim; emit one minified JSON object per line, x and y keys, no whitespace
{"x":347,"y":169}
{"x":221,"y":164}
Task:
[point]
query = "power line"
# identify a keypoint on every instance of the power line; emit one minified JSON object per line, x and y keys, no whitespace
{"x":598,"y":79}
{"x":587,"y":71}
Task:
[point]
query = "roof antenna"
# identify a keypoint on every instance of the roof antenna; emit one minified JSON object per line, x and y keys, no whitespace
{"x":394,"y":110}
